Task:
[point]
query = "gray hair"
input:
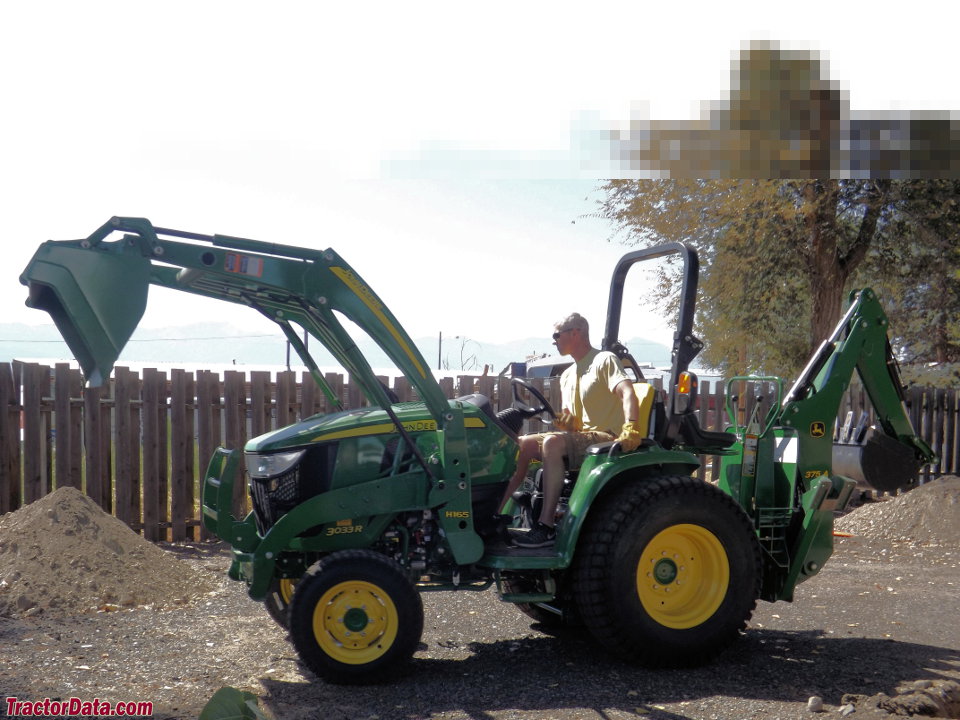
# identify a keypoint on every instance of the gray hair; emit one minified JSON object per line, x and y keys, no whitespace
{"x":573,"y":321}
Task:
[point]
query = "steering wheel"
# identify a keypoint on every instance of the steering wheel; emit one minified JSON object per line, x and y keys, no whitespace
{"x":544,"y":406}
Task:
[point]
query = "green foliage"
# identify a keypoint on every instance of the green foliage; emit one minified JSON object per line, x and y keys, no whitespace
{"x":915,"y":276}
{"x":229,"y":703}
{"x":779,"y":257}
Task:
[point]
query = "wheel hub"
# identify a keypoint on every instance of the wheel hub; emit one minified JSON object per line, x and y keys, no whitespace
{"x":355,"y":619}
{"x":665,"y":571}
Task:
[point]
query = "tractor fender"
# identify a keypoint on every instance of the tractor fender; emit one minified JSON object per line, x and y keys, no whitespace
{"x":600,"y":472}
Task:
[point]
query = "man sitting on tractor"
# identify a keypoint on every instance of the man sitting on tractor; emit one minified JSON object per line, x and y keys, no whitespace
{"x":597,"y":397}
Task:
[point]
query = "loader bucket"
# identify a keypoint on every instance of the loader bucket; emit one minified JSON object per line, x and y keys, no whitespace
{"x":879,"y":462}
{"x":96,"y":300}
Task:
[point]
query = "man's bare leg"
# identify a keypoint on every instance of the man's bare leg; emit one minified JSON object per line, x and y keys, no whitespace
{"x":529,"y":451}
{"x":553,"y":471}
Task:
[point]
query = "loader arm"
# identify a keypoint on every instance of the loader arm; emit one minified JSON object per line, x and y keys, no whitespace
{"x":95,"y":290}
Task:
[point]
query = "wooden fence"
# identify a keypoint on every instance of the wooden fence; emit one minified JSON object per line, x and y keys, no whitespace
{"x":139,"y":446}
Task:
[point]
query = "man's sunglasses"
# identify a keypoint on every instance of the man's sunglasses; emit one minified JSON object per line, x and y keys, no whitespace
{"x":556,"y":335}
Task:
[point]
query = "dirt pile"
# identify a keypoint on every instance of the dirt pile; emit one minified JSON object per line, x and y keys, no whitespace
{"x":63,"y":555}
{"x":926,"y":698}
{"x":927,"y":515}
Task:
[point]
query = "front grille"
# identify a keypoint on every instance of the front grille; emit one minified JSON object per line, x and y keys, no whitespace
{"x":274,"y":497}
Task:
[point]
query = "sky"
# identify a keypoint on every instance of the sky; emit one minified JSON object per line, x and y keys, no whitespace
{"x":443,"y":149}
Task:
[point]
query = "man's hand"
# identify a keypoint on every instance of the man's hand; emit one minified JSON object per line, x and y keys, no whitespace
{"x":630,"y":437}
{"x":566,"y":421}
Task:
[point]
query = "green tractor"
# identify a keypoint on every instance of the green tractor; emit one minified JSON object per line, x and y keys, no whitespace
{"x":358,"y":511}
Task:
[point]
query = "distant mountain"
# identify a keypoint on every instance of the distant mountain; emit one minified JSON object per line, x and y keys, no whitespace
{"x":225,"y":344}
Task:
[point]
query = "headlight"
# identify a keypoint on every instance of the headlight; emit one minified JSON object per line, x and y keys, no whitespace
{"x":265,"y":466}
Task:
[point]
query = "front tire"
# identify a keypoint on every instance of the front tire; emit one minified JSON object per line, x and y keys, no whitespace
{"x":278,"y":600}
{"x":667,"y":571}
{"x":355,"y":617}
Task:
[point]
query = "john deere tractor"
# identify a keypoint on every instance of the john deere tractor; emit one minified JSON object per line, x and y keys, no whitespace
{"x":357,"y":511}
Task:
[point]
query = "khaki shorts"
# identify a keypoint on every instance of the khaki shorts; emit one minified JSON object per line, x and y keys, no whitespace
{"x":576,"y":443}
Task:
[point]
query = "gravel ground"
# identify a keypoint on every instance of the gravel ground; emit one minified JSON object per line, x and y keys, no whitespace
{"x":881,"y":615}
{"x":93,"y":611}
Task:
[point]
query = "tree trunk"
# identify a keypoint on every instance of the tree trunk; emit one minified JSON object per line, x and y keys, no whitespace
{"x":827,"y":277}
{"x":830,"y":267}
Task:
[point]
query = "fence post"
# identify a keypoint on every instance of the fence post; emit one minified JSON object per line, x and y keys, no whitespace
{"x":504,"y":393}
{"x":36,"y":383}
{"x":286,"y":397}
{"x":446,"y":386}
{"x":260,"y":402}
{"x":150,"y":394}
{"x":335,"y":382}
{"x":128,"y":446}
{"x":93,"y":459}
{"x":486,"y":385}
{"x":403,"y":389}
{"x":235,"y":421}
{"x":181,"y":453}
{"x":106,"y":394}
{"x":63,"y":428}
{"x":10,"y":417}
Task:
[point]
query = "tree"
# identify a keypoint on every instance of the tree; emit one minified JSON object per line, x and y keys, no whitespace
{"x":468,"y":351}
{"x":777,"y":256}
{"x":922,"y":296}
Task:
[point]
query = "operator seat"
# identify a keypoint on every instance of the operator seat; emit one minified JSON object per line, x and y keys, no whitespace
{"x":649,"y":419}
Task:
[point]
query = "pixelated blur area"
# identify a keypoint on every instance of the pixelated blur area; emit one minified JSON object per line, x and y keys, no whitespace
{"x":785,"y":118}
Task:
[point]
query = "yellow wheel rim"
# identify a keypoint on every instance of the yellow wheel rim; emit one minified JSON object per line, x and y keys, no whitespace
{"x":286,"y":589}
{"x":355,"y":622}
{"x":683,"y":576}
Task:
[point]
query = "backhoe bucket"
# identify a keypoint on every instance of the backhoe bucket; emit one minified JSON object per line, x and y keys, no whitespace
{"x":879,"y":462}
{"x":95,"y":299}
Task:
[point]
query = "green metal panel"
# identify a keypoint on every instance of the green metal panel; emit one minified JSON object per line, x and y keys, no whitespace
{"x":96,"y":300}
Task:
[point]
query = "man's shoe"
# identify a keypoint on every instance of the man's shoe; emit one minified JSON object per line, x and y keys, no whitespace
{"x":539,"y":536}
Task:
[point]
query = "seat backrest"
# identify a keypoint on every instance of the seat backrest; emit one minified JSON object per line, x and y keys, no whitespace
{"x":646,"y":394}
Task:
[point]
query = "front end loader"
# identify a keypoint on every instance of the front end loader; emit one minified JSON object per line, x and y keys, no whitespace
{"x":357,"y":511}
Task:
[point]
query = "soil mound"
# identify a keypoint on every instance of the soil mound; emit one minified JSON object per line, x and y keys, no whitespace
{"x":927,"y":515}
{"x":63,"y":555}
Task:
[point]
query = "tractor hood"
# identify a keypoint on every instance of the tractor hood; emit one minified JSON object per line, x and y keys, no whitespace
{"x":413,"y":417}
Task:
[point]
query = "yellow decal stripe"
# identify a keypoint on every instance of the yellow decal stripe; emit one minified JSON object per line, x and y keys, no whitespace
{"x":370,"y":300}
{"x":386,"y":428}
{"x":356,"y":432}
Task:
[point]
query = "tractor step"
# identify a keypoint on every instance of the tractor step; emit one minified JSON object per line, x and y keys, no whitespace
{"x":528,"y":597}
{"x":504,"y":556}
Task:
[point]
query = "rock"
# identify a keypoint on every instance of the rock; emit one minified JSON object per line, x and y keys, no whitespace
{"x":847,"y":709}
{"x":815,"y":704}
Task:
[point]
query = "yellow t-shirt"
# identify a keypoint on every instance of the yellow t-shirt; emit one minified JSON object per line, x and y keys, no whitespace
{"x":587,"y":389}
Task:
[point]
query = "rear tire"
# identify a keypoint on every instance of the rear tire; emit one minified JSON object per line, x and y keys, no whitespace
{"x":355,"y":617}
{"x":667,"y":571}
